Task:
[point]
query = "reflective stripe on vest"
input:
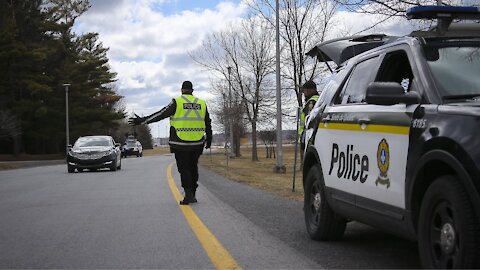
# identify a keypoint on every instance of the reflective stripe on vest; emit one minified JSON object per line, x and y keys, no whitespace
{"x":302,"y":116}
{"x":189,"y":119}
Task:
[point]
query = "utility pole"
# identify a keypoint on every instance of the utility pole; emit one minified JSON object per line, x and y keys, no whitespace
{"x":230,"y":109}
{"x":67,"y":127}
{"x":225,"y":104}
{"x":279,"y":167}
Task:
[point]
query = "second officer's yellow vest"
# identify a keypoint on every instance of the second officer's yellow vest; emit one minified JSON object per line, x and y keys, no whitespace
{"x":302,"y":116}
{"x":189,"y":118}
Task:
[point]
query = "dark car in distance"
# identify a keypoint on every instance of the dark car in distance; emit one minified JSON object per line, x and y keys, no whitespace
{"x":94,"y":152}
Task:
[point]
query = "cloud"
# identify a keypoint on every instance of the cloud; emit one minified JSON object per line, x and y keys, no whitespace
{"x":148,"y":43}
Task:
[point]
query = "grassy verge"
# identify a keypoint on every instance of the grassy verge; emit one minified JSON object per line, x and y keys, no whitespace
{"x":27,"y":157}
{"x":8,"y":166}
{"x":260,"y":173}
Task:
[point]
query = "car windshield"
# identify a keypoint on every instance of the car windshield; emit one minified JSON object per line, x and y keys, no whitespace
{"x":92,"y":141}
{"x":456,"y":71}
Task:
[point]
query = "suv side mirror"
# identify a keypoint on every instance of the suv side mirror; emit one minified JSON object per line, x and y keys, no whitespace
{"x":70,"y":146}
{"x":390,"y":93}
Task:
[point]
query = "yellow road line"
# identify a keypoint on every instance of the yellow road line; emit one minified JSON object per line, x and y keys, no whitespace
{"x":402,"y":130}
{"x":218,"y":255}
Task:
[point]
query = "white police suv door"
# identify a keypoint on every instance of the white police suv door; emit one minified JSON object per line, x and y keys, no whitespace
{"x":364,"y":147}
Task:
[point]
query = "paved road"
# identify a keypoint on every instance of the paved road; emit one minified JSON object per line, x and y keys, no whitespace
{"x":130,"y":219}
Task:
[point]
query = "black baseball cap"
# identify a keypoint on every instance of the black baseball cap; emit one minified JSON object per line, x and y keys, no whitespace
{"x":309,"y":85}
{"x":187,"y":85}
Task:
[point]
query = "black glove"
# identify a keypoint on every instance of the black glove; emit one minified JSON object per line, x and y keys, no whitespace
{"x":137,"y":120}
{"x":208,"y":144}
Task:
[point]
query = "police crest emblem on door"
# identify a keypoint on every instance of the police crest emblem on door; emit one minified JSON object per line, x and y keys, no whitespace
{"x":383,"y":162}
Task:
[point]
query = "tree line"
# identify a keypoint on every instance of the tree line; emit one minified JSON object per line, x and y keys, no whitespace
{"x":241,"y":60}
{"x":39,"y":53}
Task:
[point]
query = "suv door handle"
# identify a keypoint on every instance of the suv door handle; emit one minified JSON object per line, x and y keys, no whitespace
{"x":364,"y":121}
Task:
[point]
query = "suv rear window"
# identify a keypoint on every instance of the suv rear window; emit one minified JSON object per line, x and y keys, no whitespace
{"x":396,"y":68}
{"x":356,"y":86}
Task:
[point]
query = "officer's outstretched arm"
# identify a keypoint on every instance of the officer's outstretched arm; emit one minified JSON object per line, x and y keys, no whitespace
{"x":165,"y":112}
{"x":135,"y":121}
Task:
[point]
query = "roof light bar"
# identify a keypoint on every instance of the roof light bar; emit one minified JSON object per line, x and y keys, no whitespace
{"x":441,"y":12}
{"x":444,"y":15}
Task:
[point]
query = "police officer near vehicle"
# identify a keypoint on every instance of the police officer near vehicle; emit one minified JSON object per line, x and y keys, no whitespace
{"x":189,"y":123}
{"x":310,"y":93}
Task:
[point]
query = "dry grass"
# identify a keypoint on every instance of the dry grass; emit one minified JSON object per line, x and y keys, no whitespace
{"x":8,"y":166}
{"x":258,"y":174}
{"x":156,"y":151}
{"x":28,"y":157}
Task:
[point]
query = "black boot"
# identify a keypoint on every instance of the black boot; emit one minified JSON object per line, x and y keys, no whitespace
{"x":194,"y":198}
{"x":188,"y":197}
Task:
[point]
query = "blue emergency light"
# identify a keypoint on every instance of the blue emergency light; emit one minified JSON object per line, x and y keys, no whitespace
{"x":443,"y":12}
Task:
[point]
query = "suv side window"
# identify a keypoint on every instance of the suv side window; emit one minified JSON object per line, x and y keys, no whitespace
{"x":396,"y":68}
{"x":355,"y":88}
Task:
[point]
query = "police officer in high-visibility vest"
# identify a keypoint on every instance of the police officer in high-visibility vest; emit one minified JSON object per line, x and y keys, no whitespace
{"x":190,"y":131}
{"x":310,"y":93}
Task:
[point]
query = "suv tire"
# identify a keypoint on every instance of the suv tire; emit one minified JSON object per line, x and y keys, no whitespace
{"x":322,"y":223}
{"x":71,"y":169}
{"x":448,"y":231}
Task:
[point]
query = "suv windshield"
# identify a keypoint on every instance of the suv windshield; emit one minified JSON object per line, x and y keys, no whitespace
{"x":456,"y":71}
{"x":131,"y":144}
{"x":96,"y":141}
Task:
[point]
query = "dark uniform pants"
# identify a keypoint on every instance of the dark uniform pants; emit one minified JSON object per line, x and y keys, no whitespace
{"x":187,"y":164}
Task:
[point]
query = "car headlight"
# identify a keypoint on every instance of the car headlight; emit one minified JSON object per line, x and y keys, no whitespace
{"x":109,"y":152}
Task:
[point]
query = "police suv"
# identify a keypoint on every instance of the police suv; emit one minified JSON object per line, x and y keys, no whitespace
{"x":394,"y":139}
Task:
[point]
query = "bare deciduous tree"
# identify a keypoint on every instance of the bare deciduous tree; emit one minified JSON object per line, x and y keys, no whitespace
{"x":10,"y":129}
{"x":9,"y":126}
{"x":303,"y":24}
{"x":268,"y":137}
{"x":385,"y":10}
{"x":225,"y":112}
{"x":248,"y":50}
{"x":395,"y":7}
{"x":256,"y":43}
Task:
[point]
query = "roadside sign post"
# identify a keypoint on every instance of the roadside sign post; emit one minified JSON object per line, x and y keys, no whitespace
{"x":67,"y":128}
{"x":230,"y":120}
{"x":299,"y":110}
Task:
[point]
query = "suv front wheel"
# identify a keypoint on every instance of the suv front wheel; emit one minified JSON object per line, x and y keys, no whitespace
{"x":322,"y":223}
{"x":448,"y":231}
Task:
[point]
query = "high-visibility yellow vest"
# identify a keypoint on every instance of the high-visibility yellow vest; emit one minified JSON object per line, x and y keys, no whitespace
{"x":302,"y":116}
{"x":189,"y":118}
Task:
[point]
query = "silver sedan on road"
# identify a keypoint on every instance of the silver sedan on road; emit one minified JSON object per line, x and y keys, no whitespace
{"x":94,"y":152}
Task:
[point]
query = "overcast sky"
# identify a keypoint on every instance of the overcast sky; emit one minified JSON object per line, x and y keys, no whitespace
{"x":149,"y":41}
